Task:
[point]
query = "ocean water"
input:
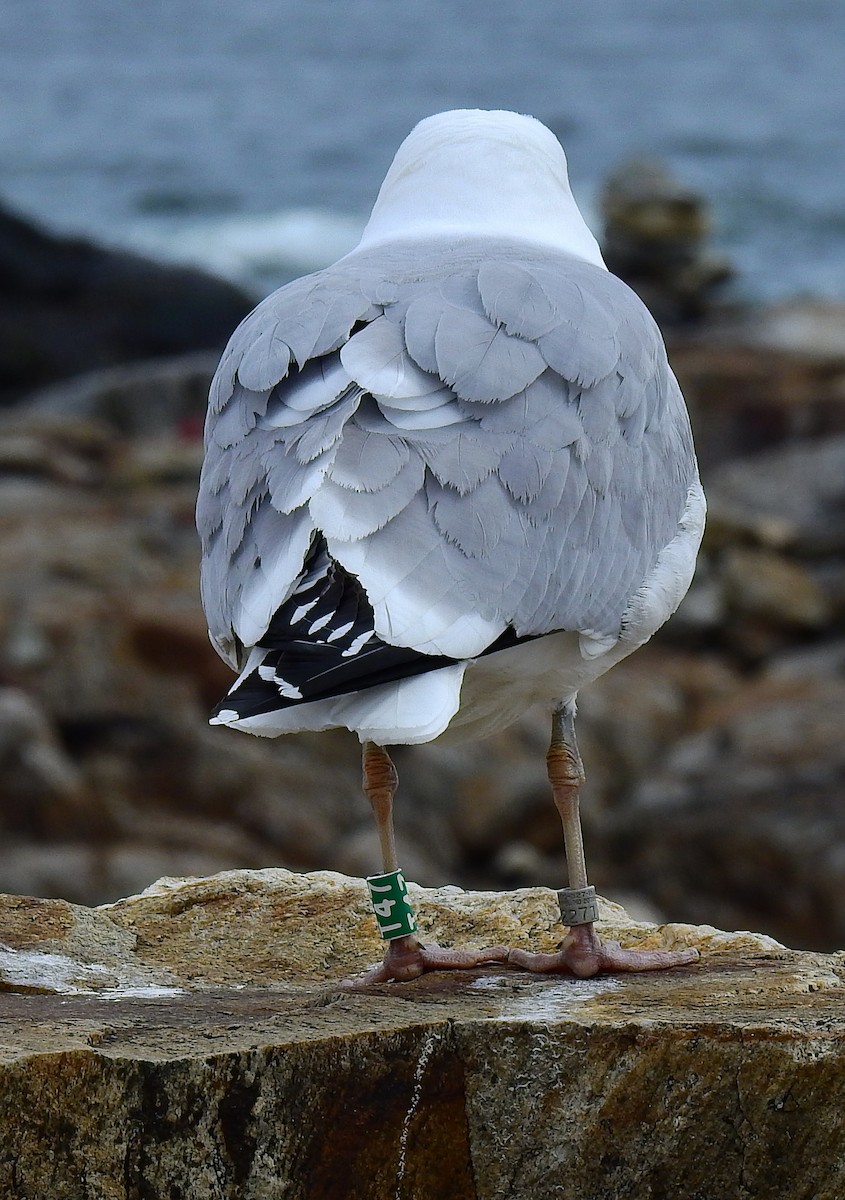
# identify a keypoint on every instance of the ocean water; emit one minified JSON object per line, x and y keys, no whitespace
{"x":252,"y":137}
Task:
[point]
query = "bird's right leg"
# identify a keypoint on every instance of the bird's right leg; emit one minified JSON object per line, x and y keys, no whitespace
{"x":582,"y":952}
{"x":406,"y":957}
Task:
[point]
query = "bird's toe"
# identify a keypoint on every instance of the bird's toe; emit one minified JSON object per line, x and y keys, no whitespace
{"x":406,"y":959}
{"x":583,"y":954}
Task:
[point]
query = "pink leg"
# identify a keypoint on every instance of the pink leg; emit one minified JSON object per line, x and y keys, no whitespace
{"x":581,"y":952}
{"x":406,"y":957}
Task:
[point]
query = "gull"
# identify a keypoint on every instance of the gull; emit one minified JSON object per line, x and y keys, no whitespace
{"x":447,"y":478}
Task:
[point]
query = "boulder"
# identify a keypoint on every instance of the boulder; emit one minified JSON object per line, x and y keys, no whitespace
{"x":161,"y":398}
{"x":745,"y":818}
{"x":197,"y":1041}
{"x":655,"y":235}
{"x":68,"y":305}
{"x":789,"y":499}
{"x":746,"y":397}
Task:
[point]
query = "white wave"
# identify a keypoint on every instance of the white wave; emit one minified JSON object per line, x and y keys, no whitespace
{"x":259,"y":251}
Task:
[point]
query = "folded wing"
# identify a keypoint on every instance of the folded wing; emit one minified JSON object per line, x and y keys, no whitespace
{"x":492,"y":447}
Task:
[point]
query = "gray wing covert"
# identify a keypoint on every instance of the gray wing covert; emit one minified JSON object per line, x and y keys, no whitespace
{"x":489,"y":442}
{"x":263,"y":458}
{"x":547,"y":504}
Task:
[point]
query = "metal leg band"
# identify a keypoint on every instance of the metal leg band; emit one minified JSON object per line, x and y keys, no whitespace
{"x":389,"y":898}
{"x":578,"y":906}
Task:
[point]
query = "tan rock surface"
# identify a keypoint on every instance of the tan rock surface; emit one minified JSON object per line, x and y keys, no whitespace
{"x":194,"y":1041}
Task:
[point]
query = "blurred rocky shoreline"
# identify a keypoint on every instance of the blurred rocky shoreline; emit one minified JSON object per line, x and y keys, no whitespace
{"x":715,"y":756}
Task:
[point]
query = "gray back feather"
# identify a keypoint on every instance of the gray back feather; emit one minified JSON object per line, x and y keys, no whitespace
{"x":503,"y":435}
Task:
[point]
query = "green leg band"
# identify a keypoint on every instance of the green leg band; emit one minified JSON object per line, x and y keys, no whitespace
{"x":389,"y":898}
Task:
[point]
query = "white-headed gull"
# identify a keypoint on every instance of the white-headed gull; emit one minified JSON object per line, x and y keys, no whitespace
{"x":446,"y":478}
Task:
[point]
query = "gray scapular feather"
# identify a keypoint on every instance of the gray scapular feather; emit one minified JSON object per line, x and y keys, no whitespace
{"x":490,"y":426}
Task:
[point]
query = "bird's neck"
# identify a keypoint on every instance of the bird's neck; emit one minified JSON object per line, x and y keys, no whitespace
{"x":463,"y":191}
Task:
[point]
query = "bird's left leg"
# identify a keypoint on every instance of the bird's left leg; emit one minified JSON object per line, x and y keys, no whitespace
{"x":581,"y":952}
{"x":406,"y":957}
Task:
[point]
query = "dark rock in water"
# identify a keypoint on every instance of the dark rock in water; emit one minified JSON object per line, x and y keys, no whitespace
{"x":67,"y":306}
{"x":654,"y":238}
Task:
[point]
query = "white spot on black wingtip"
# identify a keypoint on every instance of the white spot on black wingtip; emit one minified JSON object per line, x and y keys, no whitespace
{"x":320,"y":623}
{"x":288,"y":690}
{"x":225,"y":717}
{"x":340,"y":632}
{"x":355,"y":646}
{"x":311,"y":577}
{"x":303,"y":611}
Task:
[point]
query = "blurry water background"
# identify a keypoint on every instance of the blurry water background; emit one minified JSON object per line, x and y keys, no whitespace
{"x":252,"y":136}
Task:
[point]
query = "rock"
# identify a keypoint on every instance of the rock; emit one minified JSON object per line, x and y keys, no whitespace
{"x":194,"y":1041}
{"x":789,"y":499}
{"x":48,"y":793}
{"x":164,"y":396}
{"x":768,"y":600}
{"x":655,"y":231}
{"x":68,"y":305}
{"x":359,"y":853}
{"x":746,"y":398}
{"x":745,"y":818}
{"x":487,"y":792}
{"x":803,"y":326}
{"x":826,"y":661}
